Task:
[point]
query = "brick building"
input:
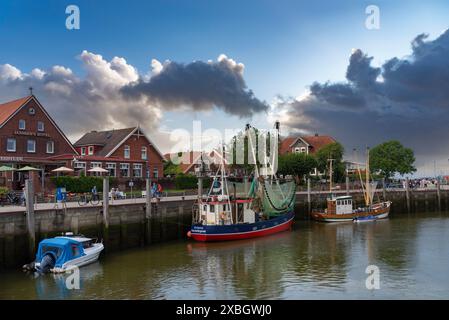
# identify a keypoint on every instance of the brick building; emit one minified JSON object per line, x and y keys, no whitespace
{"x":126,"y":153}
{"x":30,"y":137}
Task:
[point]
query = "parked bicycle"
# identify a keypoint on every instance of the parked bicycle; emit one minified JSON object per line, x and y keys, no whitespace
{"x":13,"y":199}
{"x":86,"y":198}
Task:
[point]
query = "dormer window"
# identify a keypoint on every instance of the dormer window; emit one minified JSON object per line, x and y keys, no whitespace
{"x":22,"y":124}
{"x":90,"y":150}
{"x":144,"y":153}
{"x":40,"y":126}
{"x":83,"y":151}
{"x":126,"y":152}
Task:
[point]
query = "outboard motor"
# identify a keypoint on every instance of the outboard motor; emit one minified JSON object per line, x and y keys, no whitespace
{"x":47,"y":263}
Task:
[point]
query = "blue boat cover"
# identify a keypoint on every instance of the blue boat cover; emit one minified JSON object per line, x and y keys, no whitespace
{"x":62,"y":249}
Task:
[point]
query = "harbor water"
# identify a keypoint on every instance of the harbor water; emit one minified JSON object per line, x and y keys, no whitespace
{"x":313,"y":261}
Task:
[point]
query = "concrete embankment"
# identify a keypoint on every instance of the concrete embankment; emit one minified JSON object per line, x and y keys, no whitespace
{"x":130,"y":224}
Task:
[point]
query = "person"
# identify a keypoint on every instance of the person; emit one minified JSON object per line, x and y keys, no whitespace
{"x":94,"y":192}
{"x":154,"y":190}
{"x":159,"y":190}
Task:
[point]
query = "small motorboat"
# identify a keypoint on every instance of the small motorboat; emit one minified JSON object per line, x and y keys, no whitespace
{"x":61,"y":253}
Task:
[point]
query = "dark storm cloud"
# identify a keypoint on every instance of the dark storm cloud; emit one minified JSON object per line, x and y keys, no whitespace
{"x":200,"y":86}
{"x":405,"y":99}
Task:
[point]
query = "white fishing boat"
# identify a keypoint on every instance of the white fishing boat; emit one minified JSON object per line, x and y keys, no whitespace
{"x":61,"y":253}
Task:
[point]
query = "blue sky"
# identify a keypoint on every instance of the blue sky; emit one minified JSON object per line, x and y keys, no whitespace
{"x":284,"y":45}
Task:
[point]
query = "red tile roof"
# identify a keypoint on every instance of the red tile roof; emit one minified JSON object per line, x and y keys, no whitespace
{"x":315,"y":143}
{"x":186,"y":160}
{"x":7,"y":109}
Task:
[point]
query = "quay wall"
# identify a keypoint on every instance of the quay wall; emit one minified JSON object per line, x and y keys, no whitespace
{"x":170,"y":220}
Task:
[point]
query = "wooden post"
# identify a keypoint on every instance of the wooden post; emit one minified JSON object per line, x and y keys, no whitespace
{"x":347,"y":185}
{"x":106,"y":202}
{"x":384,"y":193}
{"x":29,"y":202}
{"x":407,"y":193}
{"x":148,"y":211}
{"x":309,"y":203}
{"x":439,"y":195}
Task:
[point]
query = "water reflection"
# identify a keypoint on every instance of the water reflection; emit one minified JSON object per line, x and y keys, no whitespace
{"x":315,"y":260}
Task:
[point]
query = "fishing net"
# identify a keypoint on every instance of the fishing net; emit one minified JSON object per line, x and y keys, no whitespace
{"x":278,"y":198}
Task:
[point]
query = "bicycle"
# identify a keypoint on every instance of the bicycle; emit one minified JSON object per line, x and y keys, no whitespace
{"x":84,"y":199}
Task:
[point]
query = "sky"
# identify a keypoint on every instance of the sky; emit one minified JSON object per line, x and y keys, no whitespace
{"x":313,"y":65}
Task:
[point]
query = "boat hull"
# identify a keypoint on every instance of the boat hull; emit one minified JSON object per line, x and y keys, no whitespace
{"x":242,"y":231}
{"x":380,"y":212}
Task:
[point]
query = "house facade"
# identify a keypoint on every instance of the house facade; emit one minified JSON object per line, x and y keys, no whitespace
{"x":30,"y":137}
{"x":126,"y":154}
{"x":305,"y":144}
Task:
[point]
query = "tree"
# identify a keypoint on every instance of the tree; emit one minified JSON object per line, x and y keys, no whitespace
{"x":391,"y":157}
{"x":296,"y":164}
{"x":331,"y":151}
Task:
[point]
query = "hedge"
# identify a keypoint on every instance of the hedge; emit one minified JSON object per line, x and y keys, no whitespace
{"x":80,"y":184}
{"x":188,"y":181}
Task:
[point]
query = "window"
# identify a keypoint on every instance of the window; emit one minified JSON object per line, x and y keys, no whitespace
{"x":11,"y":145}
{"x":137,"y":170}
{"x":79,"y":165}
{"x":212,"y":208}
{"x":31,"y":111}
{"x":111,"y":168}
{"x":40,"y":126}
{"x":22,"y":124}
{"x":144,"y":153}
{"x":155,"y":173}
{"x":296,"y":150}
{"x":50,"y":147}
{"x":126,"y":152}
{"x":31,"y":146}
{"x":83,"y":151}
{"x":95,"y":165}
{"x":90,"y":150}
{"x":124,"y":169}
{"x":303,"y":149}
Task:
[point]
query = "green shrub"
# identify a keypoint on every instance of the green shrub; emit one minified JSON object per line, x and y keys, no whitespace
{"x":3,"y":191}
{"x":80,"y":184}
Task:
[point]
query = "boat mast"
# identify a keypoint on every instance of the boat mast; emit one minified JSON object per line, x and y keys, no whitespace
{"x":367,"y":186}
{"x":330,"y":174}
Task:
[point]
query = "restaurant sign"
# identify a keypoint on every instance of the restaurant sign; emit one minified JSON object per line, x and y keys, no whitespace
{"x":2,"y":158}
{"x":30,"y":133}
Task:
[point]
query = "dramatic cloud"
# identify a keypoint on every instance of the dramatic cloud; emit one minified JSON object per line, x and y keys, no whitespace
{"x":198,"y":85}
{"x":405,"y":99}
{"x":113,"y":94}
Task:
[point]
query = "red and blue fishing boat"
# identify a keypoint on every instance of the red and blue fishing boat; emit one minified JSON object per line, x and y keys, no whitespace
{"x":240,"y":210}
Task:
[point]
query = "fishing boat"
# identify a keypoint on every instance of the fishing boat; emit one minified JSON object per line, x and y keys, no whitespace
{"x":340,"y":208}
{"x":59,"y":254}
{"x":264,"y":207}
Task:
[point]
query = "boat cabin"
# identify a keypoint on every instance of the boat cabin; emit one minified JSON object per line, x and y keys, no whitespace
{"x":61,"y":248}
{"x":222,"y":211}
{"x":339,"y":205}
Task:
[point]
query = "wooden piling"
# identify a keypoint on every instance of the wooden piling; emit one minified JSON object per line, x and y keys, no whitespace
{"x":384,"y":193}
{"x":29,"y":203}
{"x":439,"y":195}
{"x":407,"y":194}
{"x":148,"y":212}
{"x":309,"y":202}
{"x":106,"y":202}
{"x":347,"y":185}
